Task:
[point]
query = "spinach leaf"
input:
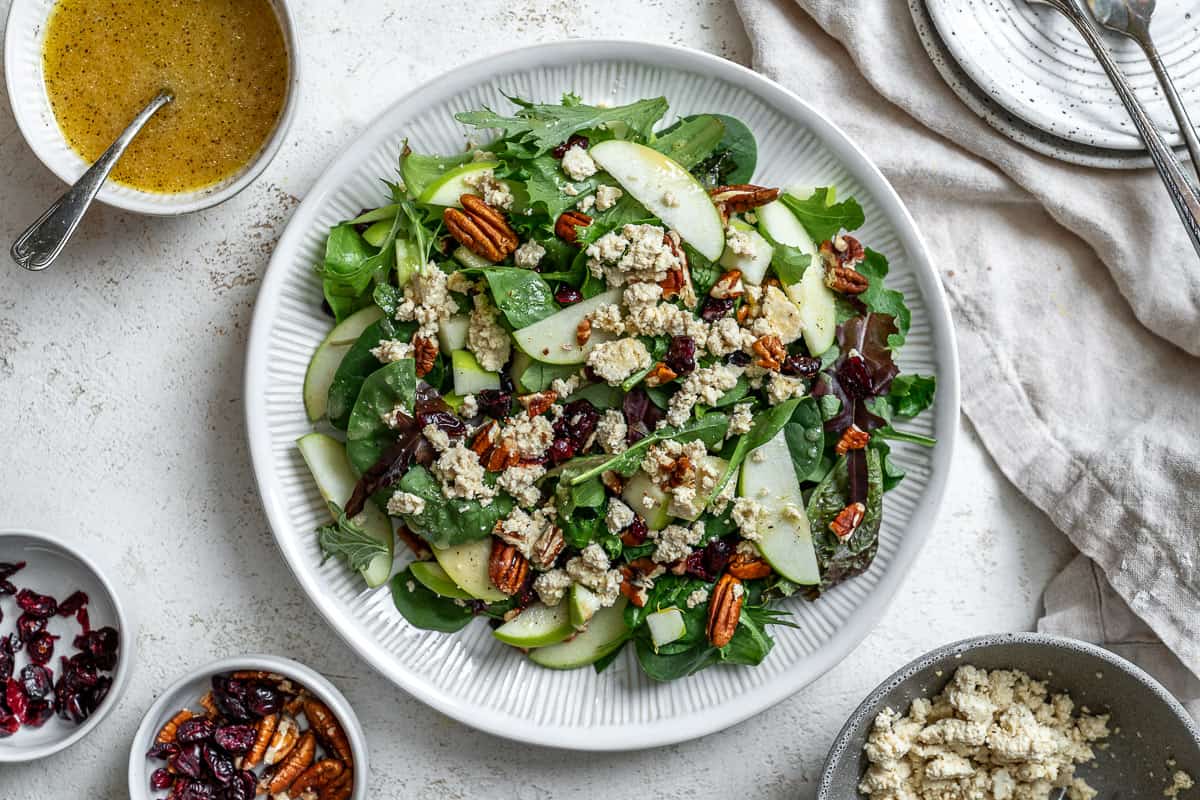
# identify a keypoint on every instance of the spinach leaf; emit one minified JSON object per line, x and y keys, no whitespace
{"x":821,"y":216}
{"x":544,"y":126}
{"x":691,"y":140}
{"x":881,"y":300}
{"x":522,"y":294}
{"x":418,"y":170}
{"x":750,"y":643}
{"x":739,"y":390}
{"x":357,"y":364}
{"x":669,"y":666}
{"x":710,"y":429}
{"x":580,"y":530}
{"x":345,"y":540}
{"x":845,"y":558}
{"x":347,"y":270}
{"x":426,"y":610}
{"x":601,"y":395}
{"x":805,"y":437}
{"x":446,"y":522}
{"x":586,"y":494}
{"x":704,"y":272}
{"x":740,"y":151}
{"x":892,"y":472}
{"x":367,"y":436}
{"x":538,"y":376}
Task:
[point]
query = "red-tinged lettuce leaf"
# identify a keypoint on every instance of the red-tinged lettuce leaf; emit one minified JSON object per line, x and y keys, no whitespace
{"x":869,"y":335}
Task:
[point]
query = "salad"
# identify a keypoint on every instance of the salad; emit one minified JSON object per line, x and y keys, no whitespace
{"x":605,"y":389}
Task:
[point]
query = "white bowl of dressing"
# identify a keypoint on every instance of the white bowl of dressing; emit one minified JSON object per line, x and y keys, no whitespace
{"x":23,"y":63}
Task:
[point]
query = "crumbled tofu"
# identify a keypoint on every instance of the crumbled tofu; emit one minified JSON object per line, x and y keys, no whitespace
{"x":612,"y":431}
{"x":524,"y":530}
{"x":520,"y":481}
{"x":436,"y":437}
{"x":565,"y":387}
{"x":528,"y":436}
{"x":405,"y":504}
{"x":459,"y":281}
{"x":741,"y":420}
{"x":529,"y":254}
{"x":569,"y":190}
{"x":619,"y":516}
{"x":462,"y":475}
{"x":483,"y":155}
{"x":707,"y":385}
{"x":725,"y":336}
{"x":688,"y":491}
{"x":486,"y":337}
{"x":607,"y":319}
{"x":615,"y":361}
{"x":607,"y":196}
{"x":494,"y":192}
{"x":1180,"y":782}
{"x":635,"y":253}
{"x":396,"y":417}
{"x":427,"y":300}
{"x":391,"y":350}
{"x":469,"y":407}
{"x":697,"y":597}
{"x":578,"y":164}
{"x":552,"y":586}
{"x":647,"y":316}
{"x":585,"y":205}
{"x":778,"y":316}
{"x":784,"y":387}
{"x":751,"y":518}
{"x":590,"y":569}
{"x":738,"y":242}
{"x":670,"y":200}
{"x":676,"y":541}
{"x":986,"y":736}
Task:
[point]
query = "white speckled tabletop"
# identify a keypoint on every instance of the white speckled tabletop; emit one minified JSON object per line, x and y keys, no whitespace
{"x":120,"y":398}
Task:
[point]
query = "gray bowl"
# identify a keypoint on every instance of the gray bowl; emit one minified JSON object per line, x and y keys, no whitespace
{"x":1153,"y":725}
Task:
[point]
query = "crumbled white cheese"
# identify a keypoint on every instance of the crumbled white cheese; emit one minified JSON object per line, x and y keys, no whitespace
{"x":483,"y":155}
{"x":391,"y":350}
{"x":520,"y":481}
{"x":635,"y":253}
{"x":784,"y":387}
{"x":469,"y":407}
{"x":552,"y":586}
{"x":529,"y":254}
{"x":706,"y":385}
{"x":528,"y":436}
{"x":585,"y":205}
{"x":738,"y":242}
{"x":619,"y":516}
{"x":565,"y":387}
{"x":751,"y":518}
{"x":697,"y":597}
{"x":495,"y":193}
{"x":607,"y":319}
{"x":486,"y":337}
{"x":405,"y":504}
{"x":741,"y":420}
{"x":778,"y":316}
{"x":607,"y":196}
{"x":427,"y":300}
{"x":612,"y":431}
{"x":436,"y":437}
{"x":725,"y":336}
{"x":617,"y":360}
{"x":523,"y":530}
{"x":590,"y":569}
{"x":462,"y":475}
{"x":578,"y":164}
{"x":676,"y":541}
{"x":459,"y":281}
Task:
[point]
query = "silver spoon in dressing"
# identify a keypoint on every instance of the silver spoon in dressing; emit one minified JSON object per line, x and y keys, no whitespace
{"x":40,"y":244}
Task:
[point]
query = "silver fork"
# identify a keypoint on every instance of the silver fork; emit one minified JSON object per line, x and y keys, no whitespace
{"x":1183,"y":194}
{"x":1132,"y":18}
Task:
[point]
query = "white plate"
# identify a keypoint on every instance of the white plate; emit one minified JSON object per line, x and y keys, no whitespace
{"x":1032,"y":61}
{"x":58,"y":568}
{"x":469,"y":675}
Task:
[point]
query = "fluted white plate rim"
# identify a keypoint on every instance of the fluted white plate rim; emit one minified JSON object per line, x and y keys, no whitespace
{"x":672,"y":712}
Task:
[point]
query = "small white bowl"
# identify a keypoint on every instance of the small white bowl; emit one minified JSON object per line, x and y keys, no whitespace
{"x":187,"y":691}
{"x":31,"y":107}
{"x":58,"y":568}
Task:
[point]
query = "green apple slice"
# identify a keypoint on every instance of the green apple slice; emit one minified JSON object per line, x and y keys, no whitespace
{"x":647,"y":500}
{"x":330,"y":468}
{"x":469,"y":260}
{"x":818,"y":307}
{"x":667,"y":190}
{"x":537,"y":626}
{"x":665,"y":626}
{"x":452,"y":184}
{"x":768,"y":478}
{"x":377,"y":233}
{"x":605,"y":633}
{"x":467,"y":565}
{"x":753,"y":265}
{"x":328,"y":357}
{"x":782,"y":227}
{"x":583,"y":605}
{"x":469,"y":377}
{"x":452,"y":333}
{"x":553,"y":341}
{"x":431,"y":575}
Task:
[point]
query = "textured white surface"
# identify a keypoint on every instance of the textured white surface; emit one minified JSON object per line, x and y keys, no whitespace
{"x":120,"y":374}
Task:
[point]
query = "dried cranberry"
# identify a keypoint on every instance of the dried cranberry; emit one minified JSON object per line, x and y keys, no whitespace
{"x":561,"y":450}
{"x":802,"y":366}
{"x":7,"y":659}
{"x":580,"y":419}
{"x":229,"y":695}
{"x":41,"y":647}
{"x":29,"y":626}
{"x":446,"y":421}
{"x":188,"y":762}
{"x":220,"y":765}
{"x":163,"y":750}
{"x":715,"y":307}
{"x":161,"y":778}
{"x":9,"y":724}
{"x":636,"y":533}
{"x":16,"y":699}
{"x":196,"y":729}
{"x":694,"y":565}
{"x":494,"y":403}
{"x":575,"y":139}
{"x":10,"y":568}
{"x":853,"y":376}
{"x":36,"y":681}
{"x":235,"y":738}
{"x":681,"y":355}
{"x":567,"y":295}
{"x":72,"y":604}
{"x":6,"y":588}
{"x":39,"y":605}
{"x":738,"y":358}
{"x":242,"y":787}
{"x":198,"y":790}
{"x":716,"y":555}
{"x":37,"y":713}
{"x":263,"y":700}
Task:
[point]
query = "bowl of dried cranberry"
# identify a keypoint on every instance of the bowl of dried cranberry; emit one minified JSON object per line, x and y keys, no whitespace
{"x":64,"y":662}
{"x":246,"y":726}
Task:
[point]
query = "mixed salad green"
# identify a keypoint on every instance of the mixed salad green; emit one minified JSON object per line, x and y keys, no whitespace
{"x":606,"y":390}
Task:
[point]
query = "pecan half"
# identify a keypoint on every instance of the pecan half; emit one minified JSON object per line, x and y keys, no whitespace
{"x":854,"y":438}
{"x":683,"y":472}
{"x":295,"y":764}
{"x":841,"y":251}
{"x":485,"y":439}
{"x":724,"y":610}
{"x":748,"y":567}
{"x":338,"y":789}
{"x":548,"y":548}
{"x":567,"y":225}
{"x":501,"y":458}
{"x":848,"y":520}
{"x":672,"y":285}
{"x":425,"y":353}
{"x":739,"y":198}
{"x":659,"y":374}
{"x":481,"y":229}
{"x":166,"y":734}
{"x":263,"y":733}
{"x":728,"y":286}
{"x":771,"y":352}
{"x":507,"y":568}
{"x":283,"y":740}
{"x":583,"y":332}
{"x":846,"y":280}
{"x":538,"y":403}
{"x":321,"y":773}
{"x":613,"y":481}
{"x":635,"y":594}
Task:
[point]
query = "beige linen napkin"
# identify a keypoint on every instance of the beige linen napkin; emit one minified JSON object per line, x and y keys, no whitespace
{"x":1074,"y":291}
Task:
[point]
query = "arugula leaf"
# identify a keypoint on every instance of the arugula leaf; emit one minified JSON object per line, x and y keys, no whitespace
{"x":446,"y":522}
{"x":346,"y":271}
{"x":710,"y":429}
{"x":821,"y":216}
{"x":367,"y":436}
{"x":888,"y":432}
{"x":425,"y":609}
{"x":544,"y":126}
{"x":345,"y":540}
{"x":908,"y":396}
{"x":691,"y":140}
{"x":522,"y":294}
{"x":892,"y":472}
{"x":882,"y":300}
{"x":418,"y":232}
{"x":544,"y":183}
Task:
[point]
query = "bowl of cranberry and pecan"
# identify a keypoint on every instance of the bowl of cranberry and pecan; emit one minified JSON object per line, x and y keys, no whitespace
{"x":64,"y":659}
{"x":249,"y":726}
